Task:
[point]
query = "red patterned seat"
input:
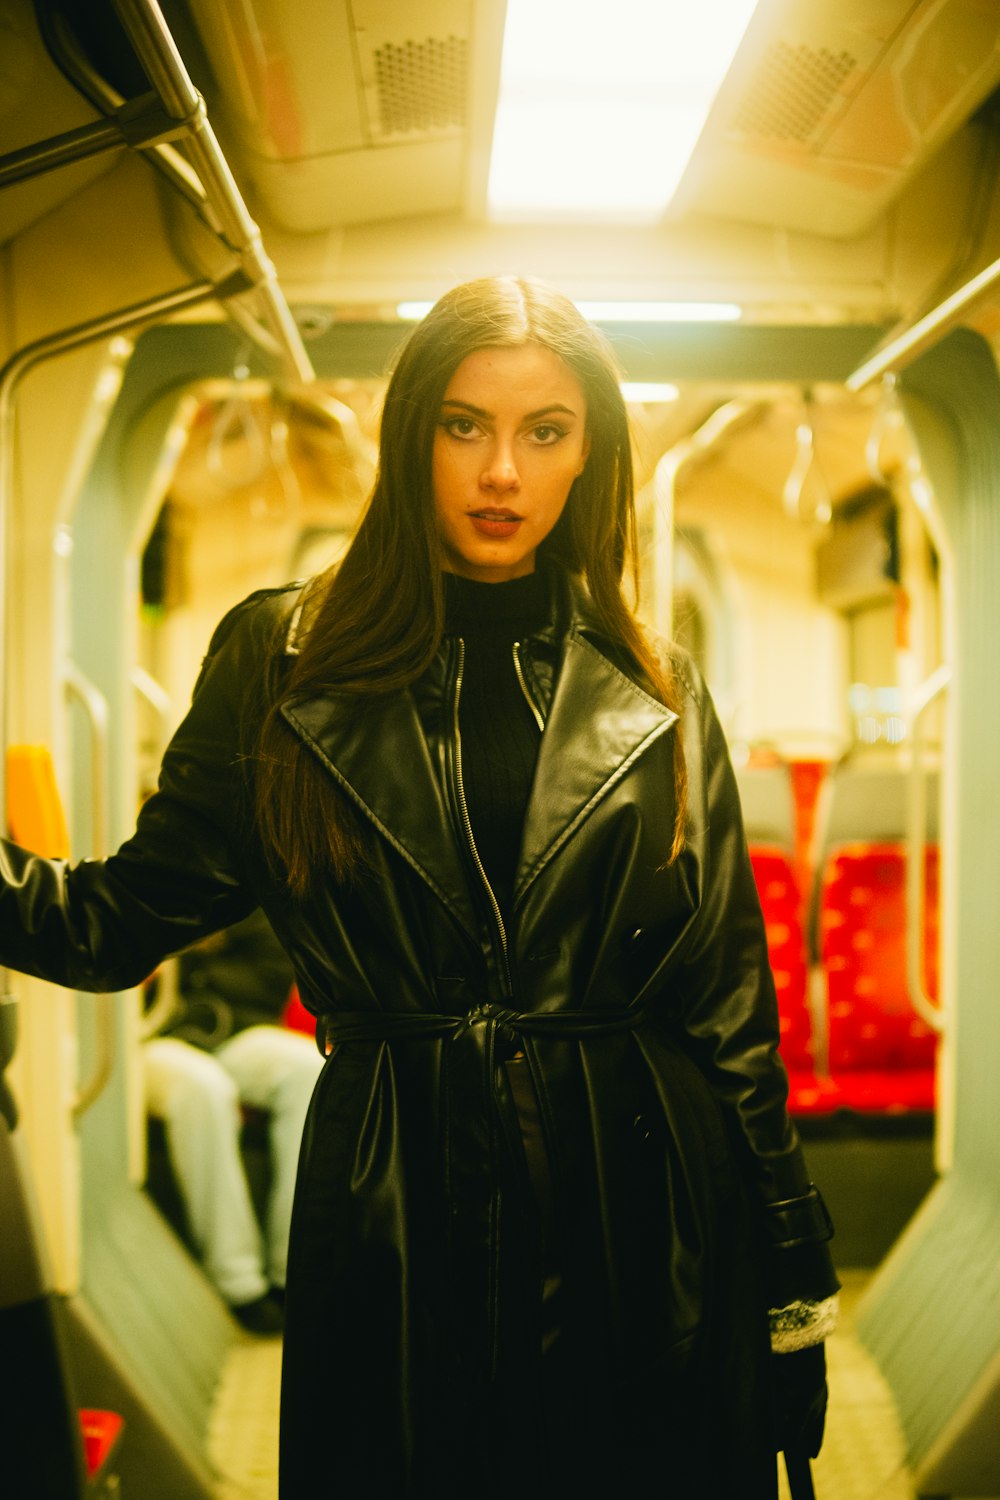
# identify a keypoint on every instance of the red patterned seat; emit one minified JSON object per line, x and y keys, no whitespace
{"x":881,"y":1053}
{"x":781,"y":903}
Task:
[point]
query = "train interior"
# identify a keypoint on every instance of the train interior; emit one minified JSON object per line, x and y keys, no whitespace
{"x":218,"y":221}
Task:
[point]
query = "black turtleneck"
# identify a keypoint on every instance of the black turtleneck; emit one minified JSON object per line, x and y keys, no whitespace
{"x":499,"y":732}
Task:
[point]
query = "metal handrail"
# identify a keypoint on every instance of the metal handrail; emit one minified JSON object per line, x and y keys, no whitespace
{"x":166,"y":1001}
{"x":152,"y":692}
{"x":175,"y":111}
{"x":904,"y":349}
{"x":79,"y":686}
{"x":138,"y":123}
{"x":154,"y":46}
{"x":11,"y":374}
{"x":95,"y":706}
{"x":934,"y":1015}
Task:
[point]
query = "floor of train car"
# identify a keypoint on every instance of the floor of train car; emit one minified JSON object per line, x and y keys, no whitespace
{"x":862,"y":1457}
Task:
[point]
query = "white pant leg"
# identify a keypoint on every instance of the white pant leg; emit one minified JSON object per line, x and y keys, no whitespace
{"x":276,"y":1069}
{"x":199,"y":1105}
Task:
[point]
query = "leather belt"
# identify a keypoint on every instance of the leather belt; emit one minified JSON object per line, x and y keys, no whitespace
{"x":501,"y":1022}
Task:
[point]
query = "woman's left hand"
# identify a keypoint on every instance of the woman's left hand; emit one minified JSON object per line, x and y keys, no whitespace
{"x":800,"y":1397}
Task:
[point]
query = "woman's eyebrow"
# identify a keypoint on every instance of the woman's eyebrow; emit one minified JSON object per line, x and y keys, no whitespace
{"x":529,"y":416}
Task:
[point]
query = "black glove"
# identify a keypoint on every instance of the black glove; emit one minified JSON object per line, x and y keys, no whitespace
{"x":800,"y":1394}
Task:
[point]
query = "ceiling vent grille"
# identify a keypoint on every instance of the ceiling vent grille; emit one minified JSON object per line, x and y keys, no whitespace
{"x":793,"y":93}
{"x":421,"y":86}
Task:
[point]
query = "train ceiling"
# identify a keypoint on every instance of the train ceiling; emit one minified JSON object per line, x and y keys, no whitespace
{"x":371,"y":121}
{"x":374,"y":117}
{"x":348,"y":112}
{"x":353,"y":111}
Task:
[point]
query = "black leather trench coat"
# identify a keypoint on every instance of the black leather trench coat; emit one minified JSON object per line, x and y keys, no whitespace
{"x":639,"y":992}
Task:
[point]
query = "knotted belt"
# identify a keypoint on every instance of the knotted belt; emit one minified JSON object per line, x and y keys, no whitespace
{"x":501,"y":1022}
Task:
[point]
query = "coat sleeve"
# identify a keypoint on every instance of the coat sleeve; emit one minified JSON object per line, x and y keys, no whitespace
{"x":106,"y":924}
{"x":730,"y":1017}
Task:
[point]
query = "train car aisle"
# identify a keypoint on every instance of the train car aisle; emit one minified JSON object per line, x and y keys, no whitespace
{"x":862,"y":1458}
{"x":243,"y":1433}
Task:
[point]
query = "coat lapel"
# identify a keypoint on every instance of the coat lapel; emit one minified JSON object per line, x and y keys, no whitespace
{"x":599,"y":724}
{"x":378,"y":754}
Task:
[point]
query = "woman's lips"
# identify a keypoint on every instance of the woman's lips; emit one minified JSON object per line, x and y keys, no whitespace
{"x":495,"y":523}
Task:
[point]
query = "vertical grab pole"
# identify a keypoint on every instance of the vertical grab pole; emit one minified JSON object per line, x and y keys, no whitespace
{"x":95,"y":707}
{"x":933,"y":1015}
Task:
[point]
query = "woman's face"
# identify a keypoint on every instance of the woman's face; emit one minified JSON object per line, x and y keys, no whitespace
{"x":511,"y":438}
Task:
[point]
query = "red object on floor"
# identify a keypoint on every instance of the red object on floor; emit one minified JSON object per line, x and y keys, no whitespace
{"x":101,"y":1431}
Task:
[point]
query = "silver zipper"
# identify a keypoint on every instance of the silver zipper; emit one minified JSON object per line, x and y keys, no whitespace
{"x":524,"y":689}
{"x":467,"y":824}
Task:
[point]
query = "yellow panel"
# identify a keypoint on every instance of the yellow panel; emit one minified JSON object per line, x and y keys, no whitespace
{"x":34,"y":808}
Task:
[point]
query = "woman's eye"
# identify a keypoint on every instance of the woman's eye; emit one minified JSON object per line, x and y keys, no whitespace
{"x":546,"y":433}
{"x":459,"y":427}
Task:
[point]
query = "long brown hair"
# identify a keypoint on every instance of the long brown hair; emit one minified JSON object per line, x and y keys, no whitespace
{"x":376,"y":619}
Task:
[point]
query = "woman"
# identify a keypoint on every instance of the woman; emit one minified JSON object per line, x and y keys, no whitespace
{"x":548,"y":1190}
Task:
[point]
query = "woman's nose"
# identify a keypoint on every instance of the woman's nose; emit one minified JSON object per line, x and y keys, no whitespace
{"x":500,"y":472}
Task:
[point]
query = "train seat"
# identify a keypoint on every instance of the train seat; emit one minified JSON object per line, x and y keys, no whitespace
{"x":296,"y":1017}
{"x":781,"y":903}
{"x":771,"y":819}
{"x":881,"y":1053}
{"x":862,"y":803}
{"x":767,"y":799}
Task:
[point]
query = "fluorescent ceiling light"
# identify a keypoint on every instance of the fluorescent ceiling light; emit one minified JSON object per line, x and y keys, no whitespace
{"x":599,"y":108}
{"x":645,"y":391}
{"x":621,"y":312}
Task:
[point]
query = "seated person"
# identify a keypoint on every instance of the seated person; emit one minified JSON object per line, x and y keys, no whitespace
{"x":224,"y":1046}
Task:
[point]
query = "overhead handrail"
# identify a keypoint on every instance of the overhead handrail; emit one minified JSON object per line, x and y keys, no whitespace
{"x":913,"y":341}
{"x":154,"y":46}
{"x":935,"y":1015}
{"x":64,"y":49}
{"x":95,"y":706}
{"x":137,"y":123}
{"x":161,"y":154}
{"x":174,"y":111}
{"x":804,"y":464}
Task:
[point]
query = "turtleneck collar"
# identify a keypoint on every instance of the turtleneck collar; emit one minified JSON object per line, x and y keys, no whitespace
{"x":514,"y":608}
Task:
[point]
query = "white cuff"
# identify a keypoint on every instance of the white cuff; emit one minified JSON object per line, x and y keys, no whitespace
{"x":802,"y":1323}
